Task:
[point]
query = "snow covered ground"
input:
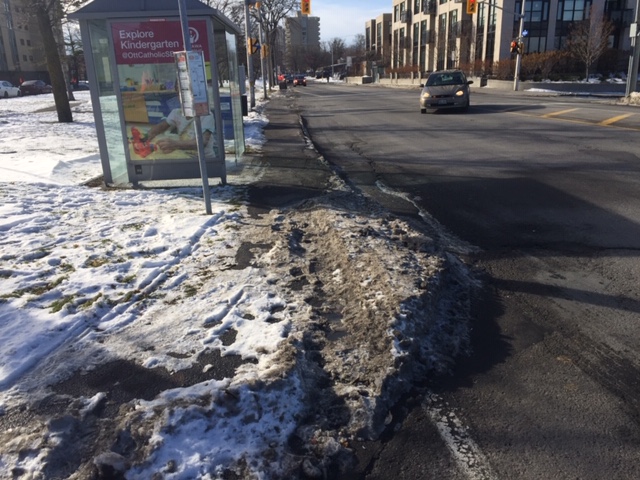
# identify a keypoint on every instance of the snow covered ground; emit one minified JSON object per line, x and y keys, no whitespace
{"x":143,"y":337}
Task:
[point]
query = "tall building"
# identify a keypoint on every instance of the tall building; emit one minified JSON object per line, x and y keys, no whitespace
{"x":21,"y":52}
{"x":377,"y":38}
{"x":437,"y":34}
{"x":302,"y":34}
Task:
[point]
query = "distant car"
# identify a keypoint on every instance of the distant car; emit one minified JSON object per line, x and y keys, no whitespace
{"x":299,"y":80}
{"x":34,"y":87}
{"x":7,"y":89}
{"x":445,"y":89}
{"x":80,"y":86}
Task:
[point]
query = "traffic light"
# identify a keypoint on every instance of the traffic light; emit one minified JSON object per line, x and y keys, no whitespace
{"x":514,"y":47}
{"x":305,"y":7}
{"x":520,"y":48}
{"x":472,"y":7}
{"x":253,"y":44}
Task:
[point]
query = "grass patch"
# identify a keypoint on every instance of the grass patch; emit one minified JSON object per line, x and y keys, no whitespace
{"x":96,"y":262}
{"x":88,"y":303}
{"x":35,"y":289}
{"x":67,"y":267}
{"x":127,"y":279}
{"x":60,"y":303}
{"x":190,"y":290}
{"x":133,"y":226}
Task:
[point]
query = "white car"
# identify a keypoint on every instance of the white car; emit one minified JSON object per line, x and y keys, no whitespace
{"x":7,"y":89}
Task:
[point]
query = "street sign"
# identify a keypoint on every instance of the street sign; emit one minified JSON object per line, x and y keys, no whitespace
{"x":192,"y":82}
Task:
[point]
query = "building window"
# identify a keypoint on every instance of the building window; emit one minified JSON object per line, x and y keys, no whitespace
{"x":31,"y":58}
{"x":416,"y":7}
{"x":396,"y":13}
{"x":536,"y":22}
{"x":573,"y":10}
{"x":569,"y":11}
{"x":22,"y":41}
{"x":24,"y":57}
{"x":28,"y":43}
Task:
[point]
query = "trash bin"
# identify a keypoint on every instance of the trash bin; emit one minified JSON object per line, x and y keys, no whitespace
{"x":283,"y":85}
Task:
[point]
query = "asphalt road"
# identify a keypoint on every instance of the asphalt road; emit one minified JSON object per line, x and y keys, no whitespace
{"x":540,"y":195}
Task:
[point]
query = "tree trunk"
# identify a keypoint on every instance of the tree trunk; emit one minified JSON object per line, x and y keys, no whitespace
{"x":54,"y":66}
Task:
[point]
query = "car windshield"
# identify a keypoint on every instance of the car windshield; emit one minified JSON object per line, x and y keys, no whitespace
{"x":436,"y":79}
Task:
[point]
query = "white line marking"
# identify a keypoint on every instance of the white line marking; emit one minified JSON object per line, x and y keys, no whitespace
{"x":470,"y":459}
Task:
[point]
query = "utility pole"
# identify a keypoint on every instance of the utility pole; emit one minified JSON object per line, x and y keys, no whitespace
{"x":632,"y":75}
{"x":516,"y":75}
{"x":263,"y":49}
{"x":250,"y":74}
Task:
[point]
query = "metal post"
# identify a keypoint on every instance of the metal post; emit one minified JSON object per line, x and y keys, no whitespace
{"x":516,"y":75}
{"x":247,"y":30}
{"x":632,"y":75}
{"x":332,"y":71}
{"x":262,"y":56}
{"x":186,"y":38}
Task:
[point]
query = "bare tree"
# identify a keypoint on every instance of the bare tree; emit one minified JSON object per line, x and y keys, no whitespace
{"x":272,"y":13}
{"x":232,"y":9}
{"x":48,"y":15}
{"x":589,"y":38}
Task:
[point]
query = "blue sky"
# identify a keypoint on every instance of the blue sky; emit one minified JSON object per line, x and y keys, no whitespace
{"x":345,"y":19}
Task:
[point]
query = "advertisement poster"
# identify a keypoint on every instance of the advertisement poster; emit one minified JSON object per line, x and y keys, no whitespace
{"x":155,"y":124}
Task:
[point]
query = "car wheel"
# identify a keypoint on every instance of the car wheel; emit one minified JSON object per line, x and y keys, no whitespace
{"x":423,"y":110}
{"x":6,"y":94}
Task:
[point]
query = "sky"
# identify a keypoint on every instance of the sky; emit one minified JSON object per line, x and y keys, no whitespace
{"x":93,"y":277}
{"x":346,"y":19}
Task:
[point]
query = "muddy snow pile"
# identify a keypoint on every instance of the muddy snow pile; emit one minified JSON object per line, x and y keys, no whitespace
{"x":163,"y":343}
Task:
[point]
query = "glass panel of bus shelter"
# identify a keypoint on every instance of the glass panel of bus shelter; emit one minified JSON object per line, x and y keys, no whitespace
{"x":108,"y":101}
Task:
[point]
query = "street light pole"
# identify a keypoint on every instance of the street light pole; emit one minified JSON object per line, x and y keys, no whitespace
{"x":516,"y":75}
{"x":263,"y":57}
{"x":247,"y":31}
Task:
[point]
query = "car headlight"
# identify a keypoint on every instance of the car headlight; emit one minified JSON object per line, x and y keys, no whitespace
{"x":459,"y":93}
{"x":426,"y":95}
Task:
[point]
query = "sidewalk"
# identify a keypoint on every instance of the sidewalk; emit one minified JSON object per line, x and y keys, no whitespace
{"x":290,"y":170}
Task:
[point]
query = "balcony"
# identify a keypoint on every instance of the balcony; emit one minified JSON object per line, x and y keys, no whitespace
{"x":405,"y":17}
{"x":430,"y":7}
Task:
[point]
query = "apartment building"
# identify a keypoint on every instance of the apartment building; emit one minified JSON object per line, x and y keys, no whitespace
{"x":377,"y":38}
{"x":301,"y":34}
{"x":21,"y":52}
{"x":436,"y":34}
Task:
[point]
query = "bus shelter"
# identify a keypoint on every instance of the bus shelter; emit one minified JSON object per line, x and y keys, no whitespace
{"x":143,"y":134}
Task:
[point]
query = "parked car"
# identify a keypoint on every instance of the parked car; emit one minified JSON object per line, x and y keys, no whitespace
{"x":445,"y":89}
{"x":34,"y":87}
{"x":7,"y":89}
{"x":80,"y":85}
{"x":299,"y":80}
